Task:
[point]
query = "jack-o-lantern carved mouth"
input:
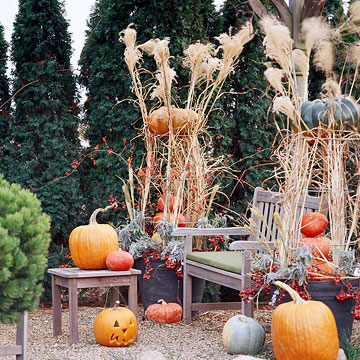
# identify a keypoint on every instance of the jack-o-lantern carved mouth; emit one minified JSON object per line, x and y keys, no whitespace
{"x":120,"y":339}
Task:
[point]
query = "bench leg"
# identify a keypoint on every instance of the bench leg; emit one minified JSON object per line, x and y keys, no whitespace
{"x":73,"y":312}
{"x":21,"y":335}
{"x":114,"y":295}
{"x":56,"y":306}
{"x":187,"y":297}
{"x":132,"y":299}
{"x":247,"y":309}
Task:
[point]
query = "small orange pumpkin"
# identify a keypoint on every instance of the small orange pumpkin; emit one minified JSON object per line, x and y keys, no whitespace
{"x":164,"y":312}
{"x":91,"y":244}
{"x":313,"y":224}
{"x":180,"y":219}
{"x":158,"y":121}
{"x":119,"y":260}
{"x":115,"y":326}
{"x":303,"y":329}
{"x":320,"y":245}
{"x":170,"y":202}
{"x":323,"y":268}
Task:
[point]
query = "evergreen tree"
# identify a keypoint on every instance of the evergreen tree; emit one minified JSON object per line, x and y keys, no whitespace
{"x":243,"y":131}
{"x":4,"y":96}
{"x":107,"y":81}
{"x":44,"y":133}
{"x":24,"y":234}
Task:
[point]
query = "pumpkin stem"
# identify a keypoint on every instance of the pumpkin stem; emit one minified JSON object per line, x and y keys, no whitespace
{"x":294,"y":295}
{"x":94,"y":214}
{"x":162,"y":302}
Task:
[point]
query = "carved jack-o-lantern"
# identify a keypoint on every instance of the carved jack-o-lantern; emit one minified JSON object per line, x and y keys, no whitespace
{"x":115,"y":326}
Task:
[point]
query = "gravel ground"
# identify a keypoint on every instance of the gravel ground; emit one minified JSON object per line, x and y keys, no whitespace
{"x":199,"y":340}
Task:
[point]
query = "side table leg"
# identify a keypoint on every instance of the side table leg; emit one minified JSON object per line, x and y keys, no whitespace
{"x":21,"y":335}
{"x":132,"y":299}
{"x":114,"y":295}
{"x":73,"y":312}
{"x":56,"y":306}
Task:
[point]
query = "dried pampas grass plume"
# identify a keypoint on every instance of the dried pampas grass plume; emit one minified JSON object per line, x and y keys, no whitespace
{"x":301,"y":62}
{"x":354,"y":11}
{"x":355,"y":52}
{"x":332,"y":88}
{"x":284,"y":105}
{"x":324,"y":57}
{"x":274,"y":77}
{"x":132,"y":53}
{"x":149,"y":46}
{"x":277,"y":42}
{"x":313,"y":31}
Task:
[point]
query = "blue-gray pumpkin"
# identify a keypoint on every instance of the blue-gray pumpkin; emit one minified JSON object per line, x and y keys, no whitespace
{"x":243,"y":335}
{"x":342,"y":108}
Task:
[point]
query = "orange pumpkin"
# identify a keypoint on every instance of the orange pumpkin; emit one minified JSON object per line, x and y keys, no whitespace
{"x":303,"y":329}
{"x":170,"y":202}
{"x":91,"y":244}
{"x":115,"y":326}
{"x":320,"y":245}
{"x":180,"y":219}
{"x":119,"y":260}
{"x":313,"y":224}
{"x":183,"y":120}
{"x":323,"y":268}
{"x":164,"y":312}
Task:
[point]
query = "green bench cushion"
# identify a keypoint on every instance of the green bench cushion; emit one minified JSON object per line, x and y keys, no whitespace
{"x":225,"y":260}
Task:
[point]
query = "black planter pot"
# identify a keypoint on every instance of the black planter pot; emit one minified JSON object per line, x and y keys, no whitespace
{"x":326,"y":291}
{"x":164,"y":284}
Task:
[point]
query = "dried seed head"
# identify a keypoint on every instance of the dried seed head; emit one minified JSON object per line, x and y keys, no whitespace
{"x":301,"y":62}
{"x":284,"y":105}
{"x":274,"y":77}
{"x":354,"y":11}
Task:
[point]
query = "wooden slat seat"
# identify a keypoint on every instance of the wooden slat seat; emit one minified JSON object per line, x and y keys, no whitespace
{"x":232,"y":268}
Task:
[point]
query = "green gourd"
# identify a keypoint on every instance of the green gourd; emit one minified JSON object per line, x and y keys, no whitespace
{"x":243,"y":335}
{"x":342,"y":108}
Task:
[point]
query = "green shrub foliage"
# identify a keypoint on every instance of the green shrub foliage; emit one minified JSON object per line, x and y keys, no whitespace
{"x":24,"y":241}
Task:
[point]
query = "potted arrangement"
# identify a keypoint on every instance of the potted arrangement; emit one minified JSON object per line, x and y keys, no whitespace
{"x":317,"y":152}
{"x":176,"y":184}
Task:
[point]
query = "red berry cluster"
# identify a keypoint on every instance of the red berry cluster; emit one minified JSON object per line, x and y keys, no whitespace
{"x":217,"y":242}
{"x":348,"y":292}
{"x":169,"y":264}
{"x":246,"y":294}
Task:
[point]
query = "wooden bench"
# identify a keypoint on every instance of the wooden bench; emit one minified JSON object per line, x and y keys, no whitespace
{"x":74,"y":278}
{"x":229,"y":268}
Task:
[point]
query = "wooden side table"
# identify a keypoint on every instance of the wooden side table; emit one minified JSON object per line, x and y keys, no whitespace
{"x":74,"y":278}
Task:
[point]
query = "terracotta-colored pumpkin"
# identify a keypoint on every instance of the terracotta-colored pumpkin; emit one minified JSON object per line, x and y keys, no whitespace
{"x":115,"y":326}
{"x":243,"y":335}
{"x":313,"y":224}
{"x":164,"y":312}
{"x":183,"y":120}
{"x":170,"y":202}
{"x":303,"y":329}
{"x":119,"y":260}
{"x":320,"y":245}
{"x":91,"y":244}
{"x":180,"y":219}
{"x":323,"y":268}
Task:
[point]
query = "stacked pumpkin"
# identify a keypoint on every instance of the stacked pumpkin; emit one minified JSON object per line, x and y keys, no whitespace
{"x":180,"y":219}
{"x":312,"y":226}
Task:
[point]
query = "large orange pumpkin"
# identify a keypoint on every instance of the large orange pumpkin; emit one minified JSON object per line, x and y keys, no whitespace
{"x":164,"y":312}
{"x":320,"y":245}
{"x":119,"y":260}
{"x":115,"y":326}
{"x":91,"y":244}
{"x":313,"y":224}
{"x":170,"y":202}
{"x":180,"y":219}
{"x":303,"y":329}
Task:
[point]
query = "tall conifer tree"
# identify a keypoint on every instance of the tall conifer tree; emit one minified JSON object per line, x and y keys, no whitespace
{"x":4,"y":96}
{"x":44,"y":133}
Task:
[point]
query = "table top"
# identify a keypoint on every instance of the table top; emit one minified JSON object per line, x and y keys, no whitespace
{"x":78,"y":273}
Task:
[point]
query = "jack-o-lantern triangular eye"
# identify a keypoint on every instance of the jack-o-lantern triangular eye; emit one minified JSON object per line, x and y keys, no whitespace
{"x":116,"y":324}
